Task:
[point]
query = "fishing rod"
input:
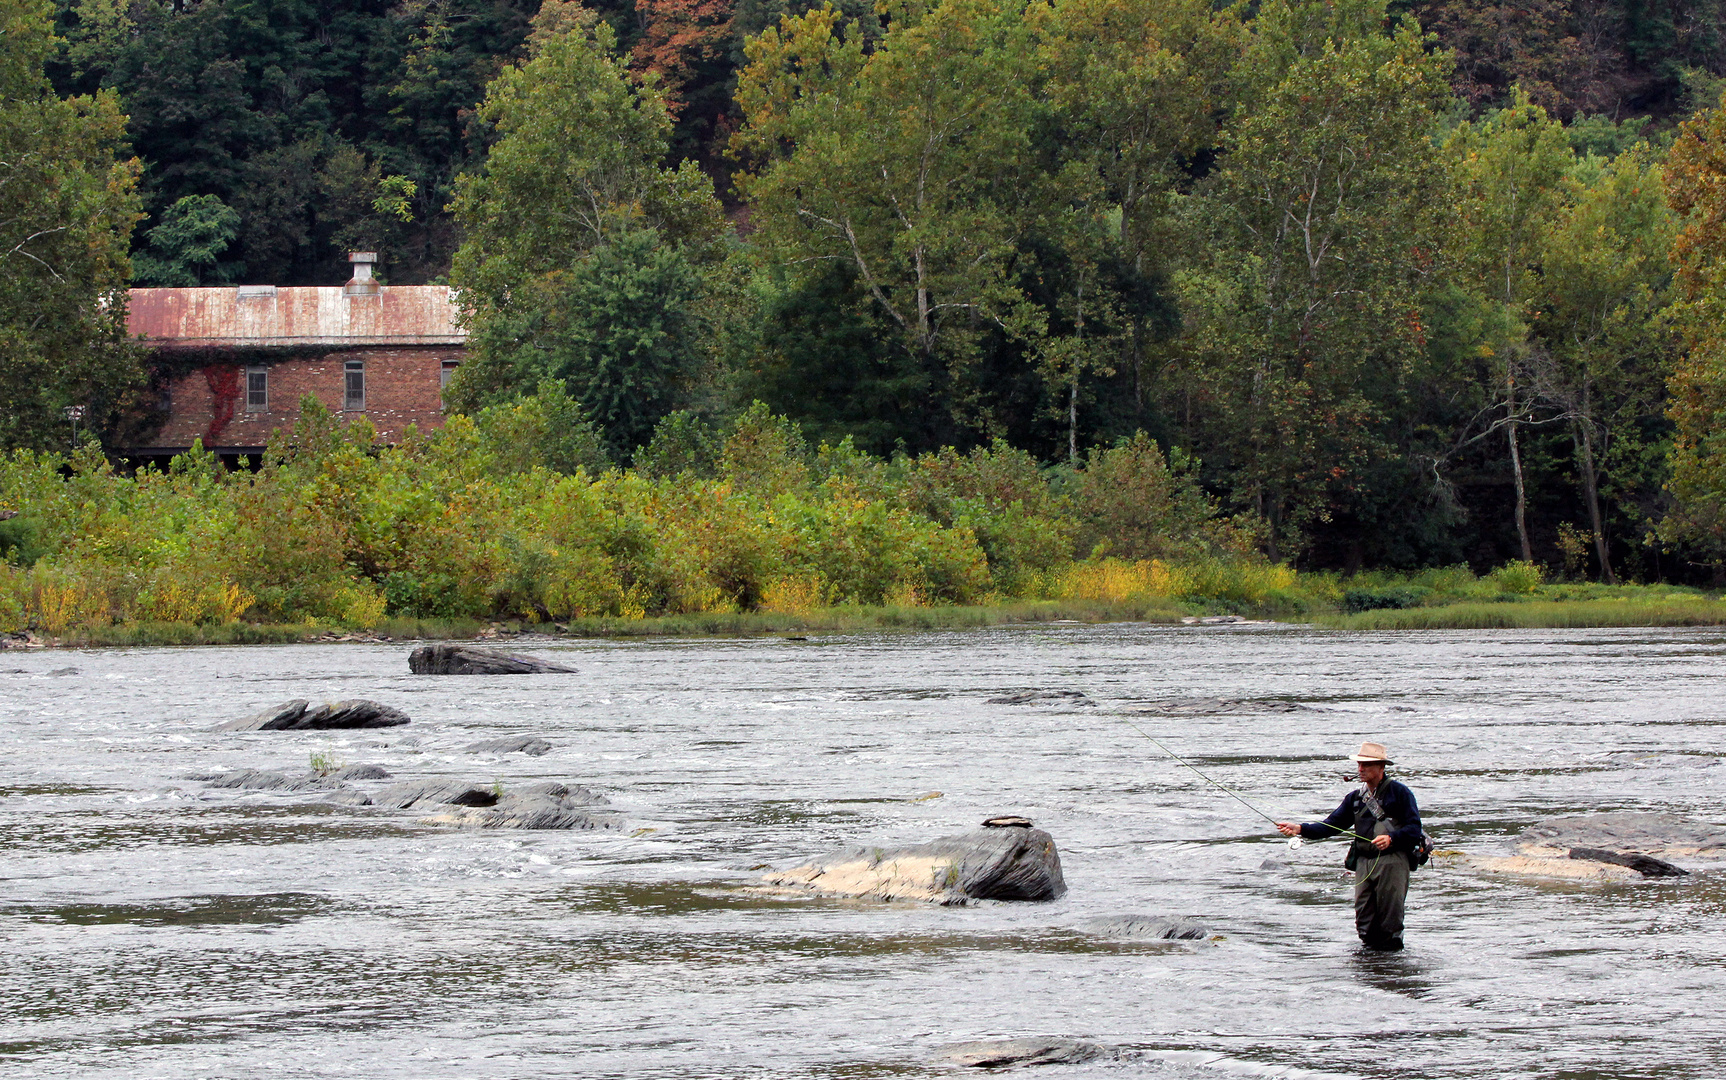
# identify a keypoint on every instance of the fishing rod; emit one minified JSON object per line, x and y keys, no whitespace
{"x":1224,"y":789}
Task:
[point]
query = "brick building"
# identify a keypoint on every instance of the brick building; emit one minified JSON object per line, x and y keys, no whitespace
{"x":231,"y":364}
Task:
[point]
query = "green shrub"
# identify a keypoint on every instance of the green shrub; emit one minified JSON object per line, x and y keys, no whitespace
{"x":1518,"y":578}
{"x":1405,"y":596}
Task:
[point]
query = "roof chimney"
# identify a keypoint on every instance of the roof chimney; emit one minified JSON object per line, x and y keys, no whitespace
{"x":362,"y":283}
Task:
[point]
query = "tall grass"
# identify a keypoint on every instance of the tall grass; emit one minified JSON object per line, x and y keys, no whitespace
{"x":1534,"y":614}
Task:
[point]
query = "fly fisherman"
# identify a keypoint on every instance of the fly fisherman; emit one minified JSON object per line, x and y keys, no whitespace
{"x":1383,"y":810}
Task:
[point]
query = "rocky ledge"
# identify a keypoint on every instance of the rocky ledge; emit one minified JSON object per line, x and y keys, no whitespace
{"x":1009,"y":862}
{"x":471,"y":660}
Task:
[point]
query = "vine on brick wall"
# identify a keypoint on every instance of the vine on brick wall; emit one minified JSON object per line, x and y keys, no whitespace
{"x":224,"y":383}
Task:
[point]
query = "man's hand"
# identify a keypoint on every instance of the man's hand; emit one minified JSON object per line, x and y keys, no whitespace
{"x":1381,"y":842}
{"x":1287,"y":829}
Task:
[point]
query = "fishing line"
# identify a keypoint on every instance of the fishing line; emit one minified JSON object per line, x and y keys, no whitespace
{"x":1226,"y":791}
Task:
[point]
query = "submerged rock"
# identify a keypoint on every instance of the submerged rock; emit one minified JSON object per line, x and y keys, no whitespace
{"x":1032,"y":697}
{"x":1146,"y":928}
{"x":536,"y":806}
{"x":302,"y":715}
{"x":999,"y":1053}
{"x":531,"y":745}
{"x":1218,"y":706}
{"x":1016,"y":863}
{"x":471,"y":660}
{"x":362,"y":771}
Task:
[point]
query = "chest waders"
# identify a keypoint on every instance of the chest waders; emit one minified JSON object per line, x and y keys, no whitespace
{"x":1380,"y":893}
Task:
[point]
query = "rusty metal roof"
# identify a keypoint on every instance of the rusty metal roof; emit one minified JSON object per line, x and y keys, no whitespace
{"x":264,"y":316}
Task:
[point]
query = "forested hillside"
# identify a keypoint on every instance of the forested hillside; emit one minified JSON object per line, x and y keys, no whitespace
{"x":1399,"y":286}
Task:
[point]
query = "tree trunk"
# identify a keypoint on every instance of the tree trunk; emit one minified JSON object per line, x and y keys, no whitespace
{"x":1073,"y":420}
{"x":1591,"y":491}
{"x":1516,"y":465}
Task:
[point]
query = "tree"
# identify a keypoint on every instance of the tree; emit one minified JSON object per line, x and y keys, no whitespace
{"x":1510,"y":170}
{"x":913,"y":165}
{"x":1301,"y":315}
{"x":1696,"y":190}
{"x":1605,"y":273}
{"x":579,"y":262}
{"x":186,"y":248}
{"x":619,"y":330}
{"x":67,"y":206}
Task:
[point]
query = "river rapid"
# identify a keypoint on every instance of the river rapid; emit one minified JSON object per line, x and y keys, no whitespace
{"x":153,"y":928}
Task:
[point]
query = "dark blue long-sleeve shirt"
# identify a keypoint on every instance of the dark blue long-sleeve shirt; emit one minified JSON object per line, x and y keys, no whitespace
{"x":1399,"y":806}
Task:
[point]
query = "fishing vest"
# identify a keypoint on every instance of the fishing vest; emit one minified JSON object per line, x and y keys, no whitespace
{"x":1367,"y":814}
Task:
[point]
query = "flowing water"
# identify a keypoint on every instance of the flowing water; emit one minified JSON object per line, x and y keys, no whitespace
{"x":153,"y":928}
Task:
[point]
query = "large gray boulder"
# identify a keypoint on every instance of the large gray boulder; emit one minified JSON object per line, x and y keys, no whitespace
{"x":1014,"y":862}
{"x":472,"y":660}
{"x":302,"y":715}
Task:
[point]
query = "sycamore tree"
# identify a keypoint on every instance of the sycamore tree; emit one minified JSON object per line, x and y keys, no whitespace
{"x":912,"y":166}
{"x":1509,"y":172}
{"x":67,"y":207}
{"x":1136,"y":89}
{"x":1696,"y":190}
{"x":1301,"y":312}
{"x":582,"y":250}
{"x":1603,"y":347}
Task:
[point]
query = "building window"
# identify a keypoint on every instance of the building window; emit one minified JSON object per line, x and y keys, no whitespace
{"x":257,"y":390}
{"x":447,"y":373}
{"x":355,"y":398}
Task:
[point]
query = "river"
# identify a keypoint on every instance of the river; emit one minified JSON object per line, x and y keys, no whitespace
{"x":153,"y":928}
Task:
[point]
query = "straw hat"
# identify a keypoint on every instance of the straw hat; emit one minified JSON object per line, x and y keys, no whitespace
{"x":1372,"y":753}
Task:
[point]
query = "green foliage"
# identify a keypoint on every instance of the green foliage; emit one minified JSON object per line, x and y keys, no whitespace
{"x":1518,"y":577}
{"x":579,"y":259}
{"x":682,"y":443}
{"x":67,"y":206}
{"x":1358,"y":600}
{"x":1695,"y":174}
{"x":1299,"y":323}
{"x":186,"y":248}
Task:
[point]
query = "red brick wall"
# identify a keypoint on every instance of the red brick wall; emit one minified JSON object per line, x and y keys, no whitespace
{"x":403,"y":386}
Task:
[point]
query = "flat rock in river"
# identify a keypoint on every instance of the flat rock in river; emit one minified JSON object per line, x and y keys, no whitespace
{"x":989,"y":864}
{"x":1663,"y":836}
{"x":439,"y":792}
{"x":302,"y":715}
{"x":1625,"y":846}
{"x":1000,"y":1053}
{"x":472,"y":660}
{"x":308,"y":783}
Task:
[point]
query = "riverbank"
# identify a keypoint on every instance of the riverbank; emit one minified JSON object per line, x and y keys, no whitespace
{"x":1646,"y":606}
{"x":836,"y":620}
